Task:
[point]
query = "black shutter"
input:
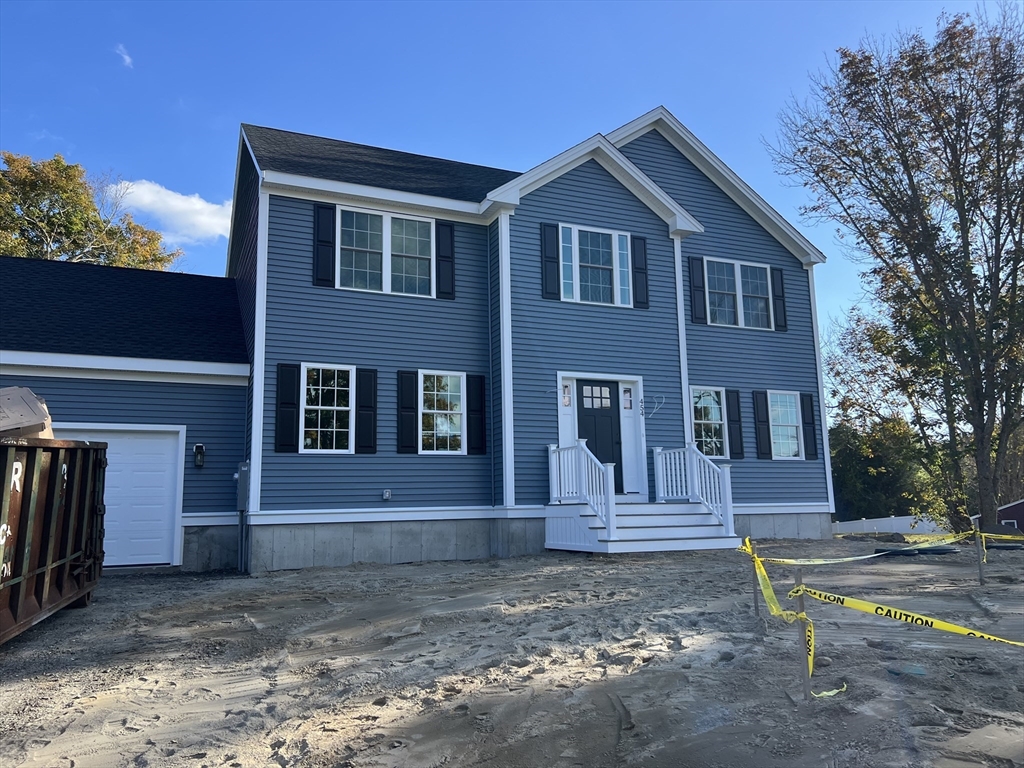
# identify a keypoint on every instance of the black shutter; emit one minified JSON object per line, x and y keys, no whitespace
{"x":476,"y":417}
{"x":732,"y":415}
{"x":810,"y":433}
{"x":408,"y":398}
{"x":762,"y":428}
{"x":366,"y":410}
{"x":323,"y":245}
{"x":779,"y":300}
{"x":549,"y":261}
{"x":698,"y":310}
{"x":640,"y":297}
{"x":445,"y":259}
{"x":286,"y":427}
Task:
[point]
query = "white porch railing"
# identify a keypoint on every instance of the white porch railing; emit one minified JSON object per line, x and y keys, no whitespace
{"x":686,"y":473}
{"x":577,"y":475}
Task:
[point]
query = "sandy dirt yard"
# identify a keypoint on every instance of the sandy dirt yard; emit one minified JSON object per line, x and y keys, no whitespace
{"x":548,"y":661}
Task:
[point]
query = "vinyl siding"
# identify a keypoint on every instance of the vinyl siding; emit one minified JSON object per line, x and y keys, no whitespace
{"x":494,"y":403}
{"x":736,"y":358}
{"x":550,"y":336}
{"x":385,"y":332}
{"x":213,"y":415}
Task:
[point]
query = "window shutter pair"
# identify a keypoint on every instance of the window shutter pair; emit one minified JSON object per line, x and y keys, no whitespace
{"x":289,"y":409}
{"x":763,"y":430}
{"x":698,"y":305}
{"x":408,"y":413}
{"x":550,"y":262}
{"x":324,"y":223}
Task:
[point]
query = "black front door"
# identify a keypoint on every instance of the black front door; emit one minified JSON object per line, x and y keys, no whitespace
{"x":597,"y":406}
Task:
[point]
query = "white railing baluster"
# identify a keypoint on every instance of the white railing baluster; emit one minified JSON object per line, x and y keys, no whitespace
{"x":575,"y":474}
{"x":686,"y":473}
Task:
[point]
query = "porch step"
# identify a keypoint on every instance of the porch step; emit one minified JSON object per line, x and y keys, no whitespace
{"x":653,"y":521}
{"x":662,"y":532}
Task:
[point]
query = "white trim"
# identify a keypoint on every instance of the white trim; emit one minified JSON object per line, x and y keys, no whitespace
{"x":275,"y":180}
{"x":386,"y":253}
{"x":822,"y":415}
{"x":725,"y":178}
{"x":616,"y":288}
{"x":508,"y":453}
{"x":312,"y":195}
{"x":393,"y":514}
{"x":1007,"y":506}
{"x":208,"y":519}
{"x":134,"y":368}
{"x":462,"y":412}
{"x":738,"y":279}
{"x":177,"y":542}
{"x":725,"y":419}
{"x":797,"y":508}
{"x":351,"y":409}
{"x":259,"y":353}
{"x":684,"y":365}
{"x":598,"y":148}
{"x":799,"y":425}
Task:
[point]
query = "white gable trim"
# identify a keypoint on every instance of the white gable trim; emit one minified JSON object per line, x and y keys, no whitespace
{"x":18,"y":363}
{"x":601,"y":150}
{"x":710,"y":165}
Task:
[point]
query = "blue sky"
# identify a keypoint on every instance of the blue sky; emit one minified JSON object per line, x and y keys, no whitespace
{"x":154,"y":92}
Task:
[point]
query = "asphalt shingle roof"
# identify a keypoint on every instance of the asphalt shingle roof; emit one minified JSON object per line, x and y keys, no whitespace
{"x":86,"y":309}
{"x":335,"y":160}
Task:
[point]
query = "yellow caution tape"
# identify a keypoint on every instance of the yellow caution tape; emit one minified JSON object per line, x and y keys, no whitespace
{"x":945,"y":539}
{"x":895,"y":614}
{"x":823,"y":694}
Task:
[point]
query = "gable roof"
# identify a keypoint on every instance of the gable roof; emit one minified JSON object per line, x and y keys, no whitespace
{"x":316,"y":157}
{"x":87,"y":309}
{"x":601,"y":150}
{"x":711,"y":165}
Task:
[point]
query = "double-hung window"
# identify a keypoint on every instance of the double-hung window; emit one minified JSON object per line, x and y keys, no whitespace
{"x":328,"y":395}
{"x":595,"y":266}
{"x":784,"y":419}
{"x":442,"y":412}
{"x":709,"y":421}
{"x":385,"y":253}
{"x":738,"y":294}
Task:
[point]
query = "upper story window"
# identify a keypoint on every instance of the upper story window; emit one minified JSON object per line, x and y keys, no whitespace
{"x":738,"y":294}
{"x":595,"y":266}
{"x":385,"y":252}
{"x":784,"y":418}
{"x":709,"y":421}
{"x":329,"y":392}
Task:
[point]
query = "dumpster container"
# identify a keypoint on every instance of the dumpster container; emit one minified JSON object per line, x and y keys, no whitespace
{"x":51,"y":527}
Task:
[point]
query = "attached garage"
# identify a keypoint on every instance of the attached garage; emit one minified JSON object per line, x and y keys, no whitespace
{"x":143,"y":493}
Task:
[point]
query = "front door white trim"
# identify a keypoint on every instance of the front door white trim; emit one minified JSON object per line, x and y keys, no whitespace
{"x":632,"y":428}
{"x":179,"y":429}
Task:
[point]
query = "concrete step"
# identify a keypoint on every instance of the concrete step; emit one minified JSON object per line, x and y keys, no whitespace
{"x":681,"y":532}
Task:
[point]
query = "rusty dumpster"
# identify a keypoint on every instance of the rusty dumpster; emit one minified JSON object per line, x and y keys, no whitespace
{"x":51,"y":527}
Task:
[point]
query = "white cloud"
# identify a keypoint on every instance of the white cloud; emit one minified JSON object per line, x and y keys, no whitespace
{"x":181,"y":219}
{"x":123,"y":53}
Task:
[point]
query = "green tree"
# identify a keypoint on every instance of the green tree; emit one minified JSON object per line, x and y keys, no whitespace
{"x":916,"y":150}
{"x":50,"y":210}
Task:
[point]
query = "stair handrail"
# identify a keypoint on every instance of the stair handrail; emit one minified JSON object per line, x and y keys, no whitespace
{"x":576,"y":474}
{"x":711,"y":484}
{"x":670,"y":475}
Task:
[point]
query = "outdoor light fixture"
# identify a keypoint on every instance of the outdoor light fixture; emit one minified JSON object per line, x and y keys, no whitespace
{"x":199,"y":454}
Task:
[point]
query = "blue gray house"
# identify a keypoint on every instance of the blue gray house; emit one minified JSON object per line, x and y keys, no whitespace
{"x":615,"y":351}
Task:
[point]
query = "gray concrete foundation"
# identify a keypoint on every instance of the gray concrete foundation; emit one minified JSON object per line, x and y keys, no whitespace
{"x":289,"y":547}
{"x":784,"y":526}
{"x":210,"y":548}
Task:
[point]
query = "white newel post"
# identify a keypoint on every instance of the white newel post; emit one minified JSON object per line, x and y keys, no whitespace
{"x":582,"y":492}
{"x":553,"y":484}
{"x":730,"y":529}
{"x":692,"y":489}
{"x":659,"y":477}
{"x":609,"y":493}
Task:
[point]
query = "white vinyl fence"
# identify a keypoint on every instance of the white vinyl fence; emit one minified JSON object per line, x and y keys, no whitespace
{"x":906,"y":524}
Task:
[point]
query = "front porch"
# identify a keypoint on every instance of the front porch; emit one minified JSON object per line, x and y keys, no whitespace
{"x":693,"y":507}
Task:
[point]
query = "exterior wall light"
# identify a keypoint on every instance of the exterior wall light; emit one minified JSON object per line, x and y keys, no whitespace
{"x":199,"y":454}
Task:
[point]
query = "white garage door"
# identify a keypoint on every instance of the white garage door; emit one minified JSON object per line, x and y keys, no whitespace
{"x":141,"y":493}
